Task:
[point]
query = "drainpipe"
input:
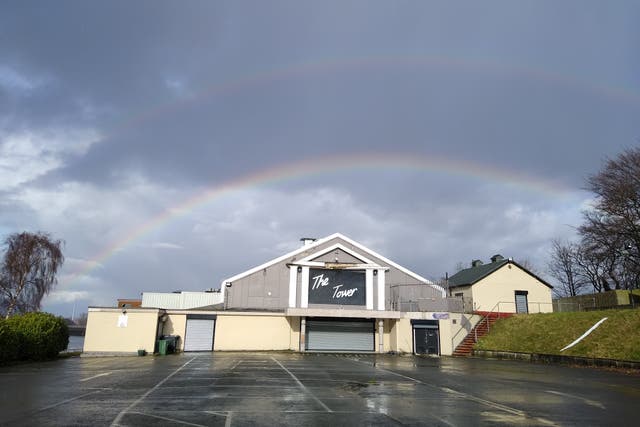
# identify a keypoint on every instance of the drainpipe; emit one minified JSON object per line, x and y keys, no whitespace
{"x":303,"y":328}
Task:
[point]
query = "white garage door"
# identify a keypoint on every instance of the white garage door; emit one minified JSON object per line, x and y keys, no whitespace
{"x":199,"y":335}
{"x":343,"y":335}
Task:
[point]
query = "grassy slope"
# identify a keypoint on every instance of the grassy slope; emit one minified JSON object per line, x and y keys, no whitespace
{"x":616,"y":338}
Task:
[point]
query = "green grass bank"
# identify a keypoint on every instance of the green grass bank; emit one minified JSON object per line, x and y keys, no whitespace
{"x":617,"y":338}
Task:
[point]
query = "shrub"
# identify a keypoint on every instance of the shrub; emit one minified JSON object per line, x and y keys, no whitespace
{"x":41,"y":335}
{"x":9,"y":343}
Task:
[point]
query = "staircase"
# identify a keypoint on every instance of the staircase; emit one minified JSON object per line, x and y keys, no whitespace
{"x":465,"y":348}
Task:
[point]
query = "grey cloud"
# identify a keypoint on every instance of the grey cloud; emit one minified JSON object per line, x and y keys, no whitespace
{"x":188,"y":97}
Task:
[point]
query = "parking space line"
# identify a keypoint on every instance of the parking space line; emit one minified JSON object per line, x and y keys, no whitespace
{"x":302,"y":386}
{"x":68,"y":400}
{"x":117,"y":420}
{"x":95,"y":376}
{"x":168,"y":419}
{"x":463,"y":395}
{"x":585,"y":400}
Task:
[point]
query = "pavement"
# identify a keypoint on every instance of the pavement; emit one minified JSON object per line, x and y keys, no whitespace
{"x":273,"y":389}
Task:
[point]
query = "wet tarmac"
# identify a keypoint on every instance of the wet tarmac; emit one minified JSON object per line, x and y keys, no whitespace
{"x":273,"y":389}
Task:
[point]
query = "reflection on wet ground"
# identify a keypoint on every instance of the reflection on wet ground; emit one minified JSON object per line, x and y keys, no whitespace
{"x":236,"y":389}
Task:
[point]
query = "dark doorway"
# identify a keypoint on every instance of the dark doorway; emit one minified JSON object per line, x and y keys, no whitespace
{"x":426,"y":337}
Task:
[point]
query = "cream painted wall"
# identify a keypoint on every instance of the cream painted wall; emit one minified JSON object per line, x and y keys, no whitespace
{"x":176,"y":324}
{"x":104,"y":335}
{"x":404,"y":335}
{"x":257,"y":332}
{"x":387,"y":344}
{"x":500,"y":287}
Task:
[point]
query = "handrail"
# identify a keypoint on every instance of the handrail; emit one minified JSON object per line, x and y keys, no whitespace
{"x":494,"y":309}
{"x":475,"y":329}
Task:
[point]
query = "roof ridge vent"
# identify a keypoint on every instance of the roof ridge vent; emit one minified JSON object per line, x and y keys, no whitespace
{"x":476,"y":263}
{"x":496,"y":258}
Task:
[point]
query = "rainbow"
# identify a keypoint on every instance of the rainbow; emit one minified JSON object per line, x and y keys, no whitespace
{"x":327,"y":66}
{"x":355,"y":162}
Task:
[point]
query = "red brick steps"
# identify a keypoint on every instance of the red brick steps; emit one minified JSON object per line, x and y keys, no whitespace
{"x":465,"y":348}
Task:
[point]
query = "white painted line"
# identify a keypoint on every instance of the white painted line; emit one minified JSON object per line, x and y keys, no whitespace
{"x":95,"y":376}
{"x":587,"y":401}
{"x":489,"y":403}
{"x":68,"y":400}
{"x":585,"y":334}
{"x":227,"y":422}
{"x":116,"y":421}
{"x":302,"y":386}
{"x":168,"y":419}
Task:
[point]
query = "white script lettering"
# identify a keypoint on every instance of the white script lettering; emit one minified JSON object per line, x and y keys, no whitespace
{"x":319,"y":281}
{"x":343,"y":294}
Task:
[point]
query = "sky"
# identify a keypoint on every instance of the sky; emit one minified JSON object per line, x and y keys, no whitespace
{"x":174,"y":144}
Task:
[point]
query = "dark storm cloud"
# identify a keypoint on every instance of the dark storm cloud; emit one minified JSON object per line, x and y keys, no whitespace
{"x":430,"y":78}
{"x":124,"y":109}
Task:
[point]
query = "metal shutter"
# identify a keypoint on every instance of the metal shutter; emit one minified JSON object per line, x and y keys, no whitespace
{"x":331,"y":335}
{"x":199,"y":335}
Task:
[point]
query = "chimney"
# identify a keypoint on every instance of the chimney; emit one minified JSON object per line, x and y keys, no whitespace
{"x":307,"y":240}
{"x":476,"y":263}
{"x":497,"y":258}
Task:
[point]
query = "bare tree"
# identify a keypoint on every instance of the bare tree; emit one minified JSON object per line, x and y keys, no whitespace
{"x":527,"y":264}
{"x":28,"y":271}
{"x":564,"y":268}
{"x":611,"y":230}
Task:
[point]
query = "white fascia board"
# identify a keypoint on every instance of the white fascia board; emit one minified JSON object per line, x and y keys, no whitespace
{"x":322,"y":241}
{"x":388,"y":261}
{"x":333,"y":248}
{"x":279,"y":259}
{"x":342,"y":266}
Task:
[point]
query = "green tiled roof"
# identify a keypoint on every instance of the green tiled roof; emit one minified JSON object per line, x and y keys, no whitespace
{"x":469,"y":276}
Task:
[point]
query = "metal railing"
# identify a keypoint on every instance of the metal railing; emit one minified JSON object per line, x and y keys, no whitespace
{"x":449,"y":304}
{"x":499,"y":307}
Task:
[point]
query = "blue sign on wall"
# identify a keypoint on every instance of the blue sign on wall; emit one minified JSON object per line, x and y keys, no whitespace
{"x":337,"y":287}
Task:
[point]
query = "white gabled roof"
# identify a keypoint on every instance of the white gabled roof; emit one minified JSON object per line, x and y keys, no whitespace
{"x":322,"y":241}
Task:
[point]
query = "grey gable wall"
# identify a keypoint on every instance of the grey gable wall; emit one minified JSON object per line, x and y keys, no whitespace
{"x":268,"y":289}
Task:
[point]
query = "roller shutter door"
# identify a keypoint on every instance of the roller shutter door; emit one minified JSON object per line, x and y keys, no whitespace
{"x":343,"y":335}
{"x":199,"y":335}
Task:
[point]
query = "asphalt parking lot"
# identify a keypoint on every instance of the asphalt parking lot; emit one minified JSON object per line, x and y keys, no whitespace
{"x":247,"y":389}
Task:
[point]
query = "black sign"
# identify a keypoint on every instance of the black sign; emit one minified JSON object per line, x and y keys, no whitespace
{"x":342,"y":287}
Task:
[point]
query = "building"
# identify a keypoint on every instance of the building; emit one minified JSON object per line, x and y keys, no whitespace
{"x":330,"y":294}
{"x":181,"y":299}
{"x":502,"y":286}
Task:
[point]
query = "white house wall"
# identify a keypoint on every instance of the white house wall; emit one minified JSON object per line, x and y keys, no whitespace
{"x":496,"y":292}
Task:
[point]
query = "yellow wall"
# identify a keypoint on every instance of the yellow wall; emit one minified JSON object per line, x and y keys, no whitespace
{"x":257,"y":332}
{"x":500,"y":287}
{"x":176,"y":324}
{"x":104,"y":335}
{"x":404,"y":336}
{"x":387,"y":328}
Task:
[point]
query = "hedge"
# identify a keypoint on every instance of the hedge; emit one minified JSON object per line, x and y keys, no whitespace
{"x":32,"y":336}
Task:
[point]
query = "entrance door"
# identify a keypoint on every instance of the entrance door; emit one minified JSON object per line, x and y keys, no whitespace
{"x":426,"y":337}
{"x":199,"y":334}
{"x":340,"y":335}
{"x":522,"y":304}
